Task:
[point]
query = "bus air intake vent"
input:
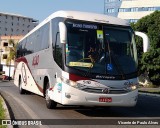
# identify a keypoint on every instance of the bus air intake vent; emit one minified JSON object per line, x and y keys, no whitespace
{"x":104,"y":91}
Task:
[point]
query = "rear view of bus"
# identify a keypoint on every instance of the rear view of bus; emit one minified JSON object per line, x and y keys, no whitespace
{"x":93,"y":63}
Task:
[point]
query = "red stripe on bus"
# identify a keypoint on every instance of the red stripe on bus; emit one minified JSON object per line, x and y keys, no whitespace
{"x":74,"y":77}
{"x":23,"y":59}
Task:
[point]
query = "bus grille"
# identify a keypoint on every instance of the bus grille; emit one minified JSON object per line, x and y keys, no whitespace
{"x":100,"y":90}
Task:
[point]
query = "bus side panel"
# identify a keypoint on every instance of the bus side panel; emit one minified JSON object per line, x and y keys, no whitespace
{"x":34,"y":68}
{"x":28,"y":82}
{"x":57,"y":90}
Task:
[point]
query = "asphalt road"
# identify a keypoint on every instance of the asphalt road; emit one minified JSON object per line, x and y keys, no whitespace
{"x":31,"y":106}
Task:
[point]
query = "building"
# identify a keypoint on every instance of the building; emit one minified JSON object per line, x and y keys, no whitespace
{"x":130,"y":10}
{"x":4,"y":53}
{"x":14,"y":24}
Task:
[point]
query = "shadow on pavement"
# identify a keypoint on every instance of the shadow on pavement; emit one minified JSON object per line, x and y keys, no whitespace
{"x":146,"y":107}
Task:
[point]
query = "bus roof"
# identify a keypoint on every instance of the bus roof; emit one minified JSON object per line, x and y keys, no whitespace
{"x":85,"y":16}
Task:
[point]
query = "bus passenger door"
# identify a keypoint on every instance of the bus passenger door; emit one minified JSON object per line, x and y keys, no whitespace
{"x":58,"y":69}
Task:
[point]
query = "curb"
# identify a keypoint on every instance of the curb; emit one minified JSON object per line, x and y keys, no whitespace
{"x":149,"y":94}
{"x":6,"y":111}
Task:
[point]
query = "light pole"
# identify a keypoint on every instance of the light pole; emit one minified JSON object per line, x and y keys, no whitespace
{"x":1,"y":50}
{"x":9,"y":77}
{"x":0,"y":59}
{"x":9,"y":70}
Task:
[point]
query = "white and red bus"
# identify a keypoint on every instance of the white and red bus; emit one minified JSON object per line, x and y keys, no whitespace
{"x":79,"y":58}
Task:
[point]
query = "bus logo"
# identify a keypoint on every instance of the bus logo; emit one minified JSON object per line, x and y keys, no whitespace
{"x":106,"y":90}
{"x":35,"y":60}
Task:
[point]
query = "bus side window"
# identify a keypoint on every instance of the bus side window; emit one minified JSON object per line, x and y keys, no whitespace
{"x":19,"y":50}
{"x":56,"y":45}
{"x":58,"y":50}
{"x":45,"y":37}
{"x":18,"y":54}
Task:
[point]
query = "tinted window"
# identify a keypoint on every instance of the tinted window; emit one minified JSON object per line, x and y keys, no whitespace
{"x":58,"y":51}
{"x":35,"y":42}
{"x":57,"y":46}
{"x":44,"y":38}
{"x":21,"y":48}
{"x":37,"y":39}
{"x":101,"y":49}
{"x":41,"y":38}
{"x":29,"y":45}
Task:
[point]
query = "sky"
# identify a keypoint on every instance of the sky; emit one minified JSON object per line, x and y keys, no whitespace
{"x":41,"y":9}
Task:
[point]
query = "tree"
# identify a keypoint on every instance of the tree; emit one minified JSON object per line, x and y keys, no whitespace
{"x":150,"y":61}
{"x":12,"y":53}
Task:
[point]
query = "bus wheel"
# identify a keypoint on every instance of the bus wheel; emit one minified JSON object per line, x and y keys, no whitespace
{"x":49,"y":103}
{"x":21,"y":90}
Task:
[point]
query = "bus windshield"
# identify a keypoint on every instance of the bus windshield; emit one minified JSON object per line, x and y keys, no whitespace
{"x":100,"y":49}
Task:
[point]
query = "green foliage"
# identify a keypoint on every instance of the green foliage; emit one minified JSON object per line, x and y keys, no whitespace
{"x":150,"y":61}
{"x":2,"y":113}
{"x":12,"y":53}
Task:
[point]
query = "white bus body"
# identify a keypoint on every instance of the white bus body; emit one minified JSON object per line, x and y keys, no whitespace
{"x":45,"y":67}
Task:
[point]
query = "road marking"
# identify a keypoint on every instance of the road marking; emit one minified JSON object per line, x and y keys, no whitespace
{"x":27,"y":109}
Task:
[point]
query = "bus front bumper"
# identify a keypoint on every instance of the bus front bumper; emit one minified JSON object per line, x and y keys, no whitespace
{"x":73,"y":96}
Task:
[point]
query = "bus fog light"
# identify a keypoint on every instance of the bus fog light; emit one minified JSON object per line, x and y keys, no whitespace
{"x":67,"y":95}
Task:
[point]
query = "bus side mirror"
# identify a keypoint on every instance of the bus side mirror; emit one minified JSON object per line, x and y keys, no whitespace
{"x":146,"y":43}
{"x":63,"y":32}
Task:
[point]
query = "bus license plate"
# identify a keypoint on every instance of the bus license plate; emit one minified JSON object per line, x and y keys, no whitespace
{"x":105,"y":99}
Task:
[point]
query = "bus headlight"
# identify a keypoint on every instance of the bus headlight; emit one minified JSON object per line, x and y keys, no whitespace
{"x":132,"y":87}
{"x":73,"y":83}
{"x":70,"y":82}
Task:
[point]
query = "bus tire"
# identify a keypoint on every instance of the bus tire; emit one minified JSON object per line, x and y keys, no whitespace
{"x":21,"y":90}
{"x":49,"y":103}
